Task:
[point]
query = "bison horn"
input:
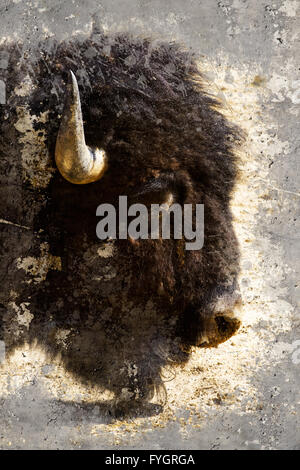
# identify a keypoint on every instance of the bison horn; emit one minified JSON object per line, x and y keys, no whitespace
{"x":76,"y":162}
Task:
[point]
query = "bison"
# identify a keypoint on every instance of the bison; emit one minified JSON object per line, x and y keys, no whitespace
{"x":135,"y":121}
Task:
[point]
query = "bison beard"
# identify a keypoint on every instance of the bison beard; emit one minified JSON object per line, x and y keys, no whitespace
{"x":129,"y":315}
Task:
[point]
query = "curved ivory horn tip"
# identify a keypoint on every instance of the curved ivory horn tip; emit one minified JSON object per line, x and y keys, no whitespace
{"x":73,"y":84}
{"x":72,"y":76}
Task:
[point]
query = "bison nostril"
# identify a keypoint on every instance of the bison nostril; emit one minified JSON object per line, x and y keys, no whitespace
{"x":218,"y":329}
{"x":227,"y":325}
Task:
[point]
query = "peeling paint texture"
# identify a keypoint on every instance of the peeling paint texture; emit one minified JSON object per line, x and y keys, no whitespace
{"x":244,"y":394}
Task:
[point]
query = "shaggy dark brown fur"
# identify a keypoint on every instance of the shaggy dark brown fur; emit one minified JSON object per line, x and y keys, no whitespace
{"x":146,"y":105}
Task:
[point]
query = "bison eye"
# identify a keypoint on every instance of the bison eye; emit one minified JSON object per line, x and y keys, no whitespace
{"x":153,"y":197}
{"x":162,"y":190}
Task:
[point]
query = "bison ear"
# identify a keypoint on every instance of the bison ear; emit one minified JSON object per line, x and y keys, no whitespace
{"x":76,"y":162}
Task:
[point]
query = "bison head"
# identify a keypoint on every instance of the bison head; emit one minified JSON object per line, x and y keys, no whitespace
{"x":138,"y":123}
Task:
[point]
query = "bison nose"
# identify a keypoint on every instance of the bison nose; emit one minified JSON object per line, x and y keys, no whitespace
{"x":212,"y":324}
{"x":220,"y":327}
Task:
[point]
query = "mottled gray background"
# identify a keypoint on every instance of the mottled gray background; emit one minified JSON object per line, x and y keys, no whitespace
{"x":249,"y":50}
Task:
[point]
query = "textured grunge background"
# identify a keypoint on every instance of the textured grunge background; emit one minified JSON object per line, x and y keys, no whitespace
{"x":245,"y":393}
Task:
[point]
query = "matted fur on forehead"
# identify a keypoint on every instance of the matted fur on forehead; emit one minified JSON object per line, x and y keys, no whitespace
{"x":145,"y":102}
